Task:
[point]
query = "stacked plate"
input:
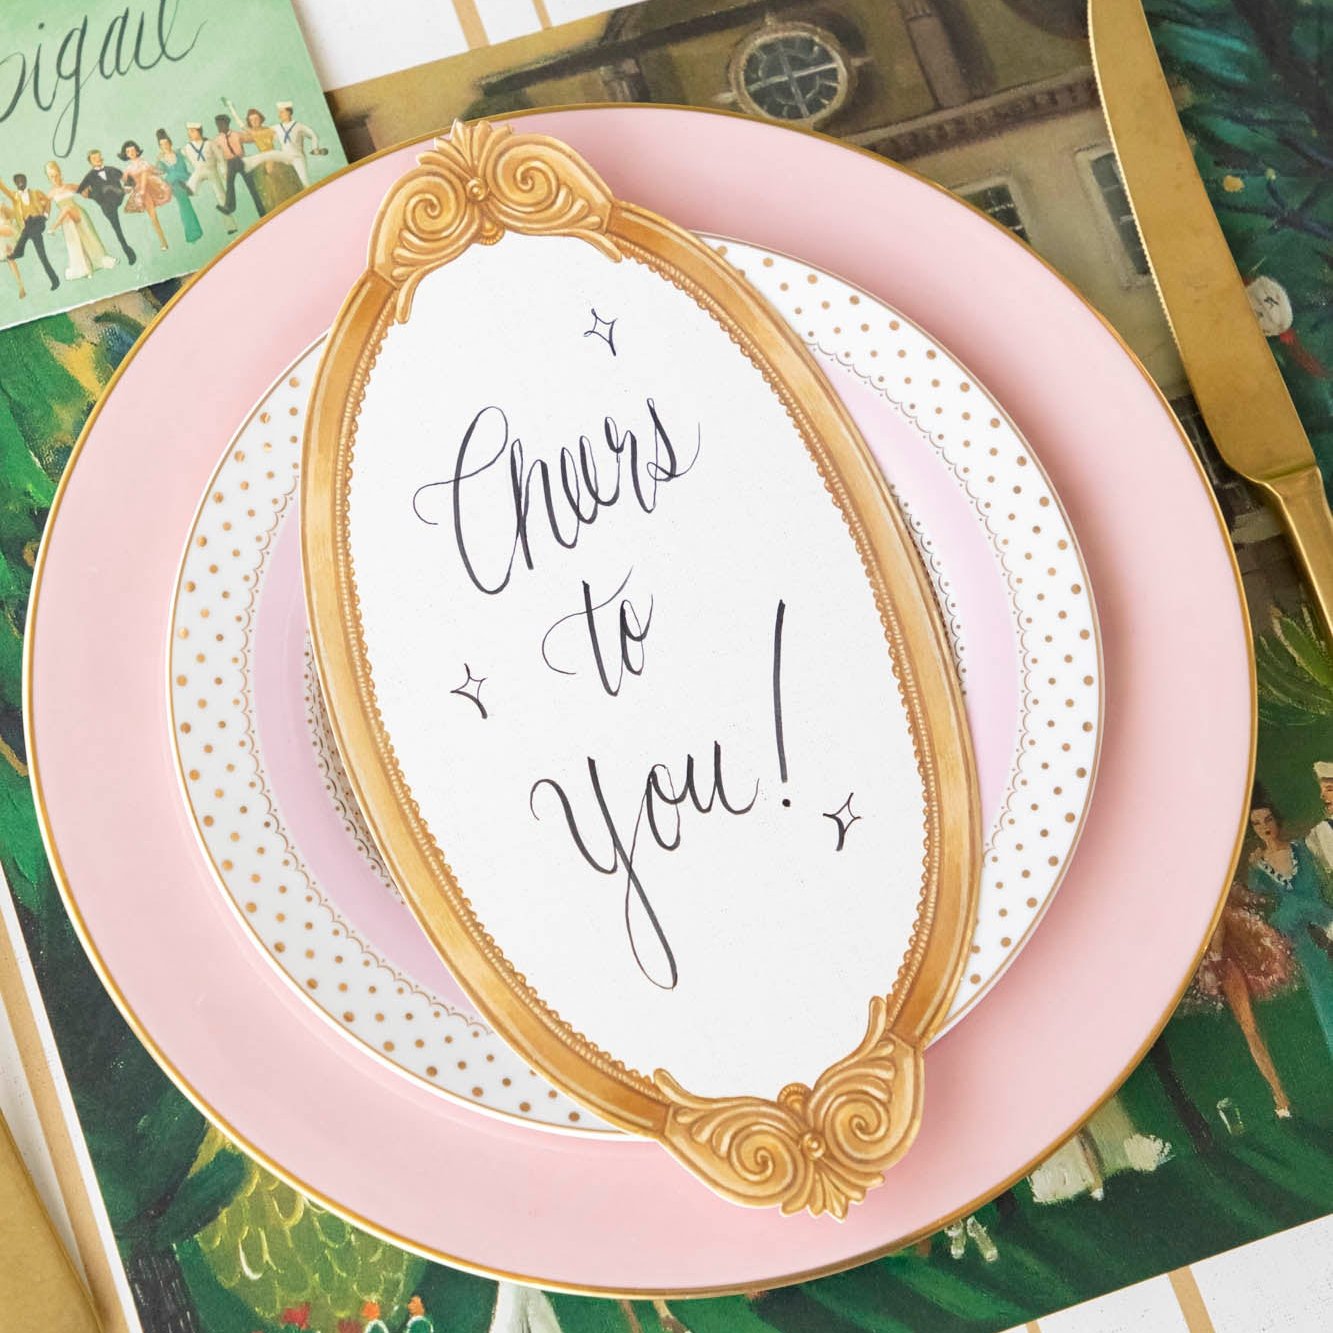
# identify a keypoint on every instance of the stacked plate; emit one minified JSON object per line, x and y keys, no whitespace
{"x":213,"y":851}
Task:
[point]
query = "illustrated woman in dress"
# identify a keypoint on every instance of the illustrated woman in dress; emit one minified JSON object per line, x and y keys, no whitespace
{"x":84,"y":251}
{"x":174,"y":169}
{"x":145,"y":189}
{"x":1286,"y":873}
{"x":1246,"y":960}
{"x":522,"y":1310}
{"x":269,"y":167}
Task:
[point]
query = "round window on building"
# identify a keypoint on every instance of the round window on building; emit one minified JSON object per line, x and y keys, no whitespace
{"x":792,"y":72}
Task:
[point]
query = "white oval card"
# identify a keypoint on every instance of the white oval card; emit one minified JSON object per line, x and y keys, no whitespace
{"x":637,"y":674}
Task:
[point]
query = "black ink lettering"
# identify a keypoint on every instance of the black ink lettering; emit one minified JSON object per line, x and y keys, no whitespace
{"x":636,"y":635}
{"x":134,"y":39}
{"x":631,"y":630}
{"x":20,"y":83}
{"x":69,"y":69}
{"x":588,"y":462}
{"x":622,"y":859}
{"x":461,"y":474}
{"x":568,"y":508}
{"x":167,"y":26}
{"x":659,"y":788}
{"x":522,"y":488}
{"x":612,"y":690}
{"x":37,"y":84}
{"x":115,"y":37}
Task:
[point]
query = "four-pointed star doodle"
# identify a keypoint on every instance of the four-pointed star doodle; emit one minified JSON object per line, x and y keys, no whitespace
{"x":471,"y":689}
{"x":844,"y":819}
{"x":605,"y":329}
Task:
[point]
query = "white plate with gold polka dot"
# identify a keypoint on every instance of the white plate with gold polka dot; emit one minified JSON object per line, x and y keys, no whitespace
{"x":277,"y":818}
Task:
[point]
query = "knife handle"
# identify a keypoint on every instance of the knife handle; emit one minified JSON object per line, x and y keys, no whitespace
{"x":1299,"y":499}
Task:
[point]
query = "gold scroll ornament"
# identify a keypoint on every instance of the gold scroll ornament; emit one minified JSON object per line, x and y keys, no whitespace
{"x":817,"y":1148}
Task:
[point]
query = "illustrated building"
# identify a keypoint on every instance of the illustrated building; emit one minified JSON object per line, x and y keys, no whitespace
{"x":994,"y":99}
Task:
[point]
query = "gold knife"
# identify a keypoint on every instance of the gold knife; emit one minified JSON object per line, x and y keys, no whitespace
{"x":1236,"y":382}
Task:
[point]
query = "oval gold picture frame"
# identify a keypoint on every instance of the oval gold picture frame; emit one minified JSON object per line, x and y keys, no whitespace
{"x":816,"y":1147}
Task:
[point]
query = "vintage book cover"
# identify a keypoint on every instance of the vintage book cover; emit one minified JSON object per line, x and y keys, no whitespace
{"x":139,"y":140}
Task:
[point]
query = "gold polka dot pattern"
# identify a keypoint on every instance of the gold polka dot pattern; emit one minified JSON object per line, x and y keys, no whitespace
{"x":240,"y":824}
{"x":1055,"y":626}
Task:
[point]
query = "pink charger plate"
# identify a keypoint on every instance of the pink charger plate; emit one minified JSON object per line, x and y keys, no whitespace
{"x":1072,"y":1015}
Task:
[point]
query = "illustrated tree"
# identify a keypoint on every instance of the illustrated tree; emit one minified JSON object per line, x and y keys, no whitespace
{"x":1295,"y":670}
{"x":144,"y":1137}
{"x":280,"y":1253}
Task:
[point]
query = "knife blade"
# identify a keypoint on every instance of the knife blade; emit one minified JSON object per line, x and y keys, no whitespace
{"x":1236,"y":382}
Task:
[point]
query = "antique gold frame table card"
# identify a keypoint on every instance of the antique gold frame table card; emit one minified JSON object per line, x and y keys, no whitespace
{"x":636,"y":673}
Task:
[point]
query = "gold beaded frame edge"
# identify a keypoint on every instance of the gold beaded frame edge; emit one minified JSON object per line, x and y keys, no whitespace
{"x":816,"y":1148}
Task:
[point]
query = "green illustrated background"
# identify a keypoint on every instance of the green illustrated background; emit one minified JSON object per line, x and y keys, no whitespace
{"x":250,"y":52}
{"x":1191,"y":1156}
